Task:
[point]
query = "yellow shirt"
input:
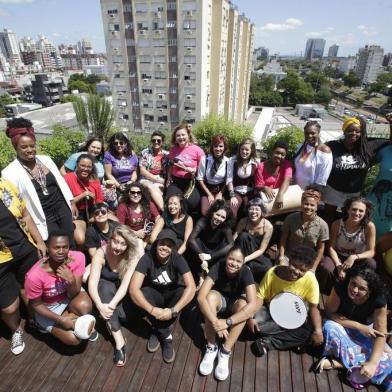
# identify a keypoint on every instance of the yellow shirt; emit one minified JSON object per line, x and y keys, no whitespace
{"x":16,"y":205}
{"x":306,"y":287}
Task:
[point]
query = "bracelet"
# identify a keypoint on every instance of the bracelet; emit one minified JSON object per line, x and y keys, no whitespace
{"x":357,"y":256}
{"x":232,"y":194}
{"x":152,"y":309}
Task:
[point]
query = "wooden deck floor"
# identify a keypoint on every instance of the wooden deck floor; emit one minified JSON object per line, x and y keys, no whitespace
{"x":47,"y":366}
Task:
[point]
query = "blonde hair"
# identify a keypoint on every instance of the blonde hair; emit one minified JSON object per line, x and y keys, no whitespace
{"x":131,"y":253}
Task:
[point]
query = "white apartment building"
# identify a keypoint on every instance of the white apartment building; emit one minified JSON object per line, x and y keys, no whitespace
{"x":347,"y":64}
{"x":176,"y":60}
{"x":369,"y":63}
{"x":9,"y":47}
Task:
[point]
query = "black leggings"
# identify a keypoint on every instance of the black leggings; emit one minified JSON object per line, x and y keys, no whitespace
{"x":278,"y":338}
{"x":107,"y":290}
{"x":162,"y":299}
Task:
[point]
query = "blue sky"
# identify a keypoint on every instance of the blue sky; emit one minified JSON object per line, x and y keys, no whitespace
{"x":283,"y":26}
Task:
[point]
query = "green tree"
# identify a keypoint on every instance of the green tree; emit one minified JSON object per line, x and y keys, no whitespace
{"x":7,"y":152}
{"x":270,"y":98}
{"x":316,"y":79}
{"x":95,"y":116}
{"x":351,"y":80}
{"x":61,"y":144}
{"x":5,"y":99}
{"x":295,"y":89}
{"x":323,"y":95}
{"x":213,"y":125}
{"x":294,"y":137}
{"x":79,"y":85}
{"x":68,"y":98}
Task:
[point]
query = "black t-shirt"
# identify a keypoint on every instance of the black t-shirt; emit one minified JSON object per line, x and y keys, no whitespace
{"x":348,"y":168}
{"x":12,"y":235}
{"x":162,"y":276}
{"x":96,"y":238}
{"x":54,"y":194}
{"x":230,"y":287}
{"x":361,"y":313}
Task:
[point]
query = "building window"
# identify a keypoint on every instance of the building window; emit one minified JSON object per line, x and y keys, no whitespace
{"x":148,"y":117}
{"x":145,"y":59}
{"x":117,"y":59}
{"x":147,"y":104}
{"x":173,"y":59}
{"x":147,"y":90}
{"x":143,"y":43}
{"x":189,"y":106}
{"x":146,"y":76}
{"x":171,"y":24}
{"x":173,"y":90}
{"x":189,"y":42}
{"x":158,"y":25}
{"x":130,"y":42}
{"x":160,"y":75}
{"x":142,"y":26}
{"x":162,"y":118}
{"x":127,"y":7}
{"x":113,"y":11}
{"x":190,"y":76}
{"x":189,"y":5}
{"x":171,"y":5}
{"x":161,"y":90}
{"x":114,"y":27}
{"x":190,"y":59}
{"x":159,"y":59}
{"x":121,"y":103}
{"x":172,"y":42}
{"x":189,"y":24}
{"x":161,"y":105}
{"x":157,"y":43}
{"x":141,"y":7}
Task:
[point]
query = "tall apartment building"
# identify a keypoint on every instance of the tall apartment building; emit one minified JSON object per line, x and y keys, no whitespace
{"x":333,"y":51}
{"x":9,"y":46}
{"x":369,"y":63}
{"x":177,"y":60}
{"x":314,"y":48}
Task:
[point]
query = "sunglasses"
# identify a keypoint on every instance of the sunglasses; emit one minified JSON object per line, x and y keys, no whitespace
{"x":135,"y":193}
{"x":118,"y":143}
{"x":159,"y":141}
{"x":101,"y":211}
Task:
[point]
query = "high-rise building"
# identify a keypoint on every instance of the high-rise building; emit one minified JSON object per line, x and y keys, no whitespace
{"x":369,"y":63}
{"x":347,"y":64}
{"x":333,"y":51}
{"x":260,"y":53}
{"x":177,"y":60}
{"x":387,"y":61}
{"x":9,"y":46}
{"x":314,"y":48}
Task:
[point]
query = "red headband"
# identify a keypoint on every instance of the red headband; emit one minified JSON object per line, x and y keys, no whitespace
{"x":16,"y":133}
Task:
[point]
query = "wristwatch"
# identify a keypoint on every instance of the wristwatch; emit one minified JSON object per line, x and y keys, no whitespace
{"x":174,"y":312}
{"x":229,"y":322}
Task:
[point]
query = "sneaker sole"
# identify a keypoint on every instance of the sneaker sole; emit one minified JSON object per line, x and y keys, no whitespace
{"x":219,"y":378}
{"x":170,"y":360}
{"x":19,"y":351}
{"x":152,"y":349}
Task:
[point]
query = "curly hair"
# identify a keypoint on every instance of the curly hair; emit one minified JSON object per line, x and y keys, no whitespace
{"x":309,"y":124}
{"x":93,"y":174}
{"x":257,"y":202}
{"x":19,"y":122}
{"x":252,"y":149}
{"x":220,"y":205}
{"x":375,"y":284}
{"x":144,"y":201}
{"x":167,"y":218}
{"x":88,"y":143}
{"x":183,"y":125}
{"x":368,"y":213}
{"x":304,"y":254}
{"x":130,"y":253}
{"x":128,"y":150}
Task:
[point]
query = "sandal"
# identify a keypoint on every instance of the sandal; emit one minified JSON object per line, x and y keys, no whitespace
{"x":119,"y":357}
{"x":319,"y":365}
{"x":259,"y":347}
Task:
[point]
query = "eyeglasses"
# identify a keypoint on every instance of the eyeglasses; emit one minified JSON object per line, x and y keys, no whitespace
{"x":159,"y":141}
{"x":135,"y":193}
{"x":101,"y":211}
{"x":119,"y":143}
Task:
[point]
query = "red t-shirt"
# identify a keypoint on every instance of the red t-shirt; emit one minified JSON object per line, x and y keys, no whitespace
{"x":265,"y":179}
{"x":135,"y":220}
{"x":77,"y":187}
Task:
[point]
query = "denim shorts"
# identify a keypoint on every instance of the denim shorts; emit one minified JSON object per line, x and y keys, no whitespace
{"x":46,"y":324}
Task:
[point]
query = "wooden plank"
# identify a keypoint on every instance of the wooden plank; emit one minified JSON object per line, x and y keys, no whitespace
{"x":152,"y":374}
{"x":309,"y":377}
{"x":334,"y":381}
{"x":191,"y":370}
{"x":237,"y":368}
{"x":285,"y":371}
{"x":273,"y":371}
{"x":297,"y":373}
{"x":248,"y":382}
{"x":261,"y":376}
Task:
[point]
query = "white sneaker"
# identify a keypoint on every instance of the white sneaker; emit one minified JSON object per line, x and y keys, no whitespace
{"x":222,"y":369}
{"x":207,"y":364}
{"x":17,"y":343}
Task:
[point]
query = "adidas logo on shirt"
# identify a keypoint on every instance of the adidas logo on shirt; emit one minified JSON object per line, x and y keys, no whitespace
{"x":163,"y":279}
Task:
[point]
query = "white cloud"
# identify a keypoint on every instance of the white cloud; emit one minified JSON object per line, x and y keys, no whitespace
{"x":368,"y":31}
{"x":288,"y":24}
{"x":313,"y":34}
{"x":344,"y":39}
{"x":15,"y":1}
{"x":57,"y":34}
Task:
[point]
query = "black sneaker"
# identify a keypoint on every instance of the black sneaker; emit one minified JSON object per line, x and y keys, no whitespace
{"x":153,"y":343}
{"x":168,"y":352}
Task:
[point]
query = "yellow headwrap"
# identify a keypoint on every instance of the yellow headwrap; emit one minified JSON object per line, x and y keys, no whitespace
{"x":350,"y":121}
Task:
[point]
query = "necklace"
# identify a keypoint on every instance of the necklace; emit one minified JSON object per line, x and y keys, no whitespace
{"x":40,"y":177}
{"x":306,"y":153}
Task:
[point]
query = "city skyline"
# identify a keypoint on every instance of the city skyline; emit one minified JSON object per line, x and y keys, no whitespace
{"x":280,"y":27}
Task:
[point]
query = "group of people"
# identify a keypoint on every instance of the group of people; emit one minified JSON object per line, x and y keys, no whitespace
{"x":121,"y":235}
